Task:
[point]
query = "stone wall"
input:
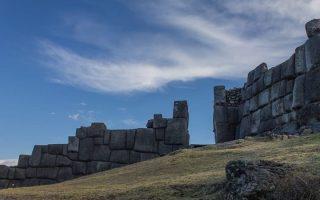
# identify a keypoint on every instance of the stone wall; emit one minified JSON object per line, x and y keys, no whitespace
{"x":282,"y":98}
{"x":97,"y":148}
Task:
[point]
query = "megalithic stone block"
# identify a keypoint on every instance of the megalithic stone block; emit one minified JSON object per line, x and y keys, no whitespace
{"x":86,"y":149}
{"x":101,"y":153}
{"x":134,"y":157}
{"x":20,"y":174}
{"x":159,"y":122}
{"x":23,"y":161}
{"x":148,"y":156}
{"x":219,"y":94}
{"x":56,"y":149}
{"x":120,"y":156}
{"x":300,"y":60}
{"x":48,"y":160}
{"x":145,"y":140}
{"x":164,"y":149}
{"x":259,"y":71}
{"x":276,"y":73}
{"x":73,"y":144}
{"x":79,"y":168}
{"x":255,"y":122}
{"x":35,"y":157}
{"x":96,"y":129}
{"x":64,"y":173}
{"x":4,"y":170}
{"x":312,"y":86}
{"x":118,"y":139}
{"x":312,"y":51}
{"x":97,"y":166}
{"x":49,"y":173}
{"x":63,"y":161}
{"x":298,"y":92}
{"x":176,"y":131}
{"x":131,"y":135}
{"x":180,"y":109}
{"x":288,"y":69}
{"x":313,"y":27}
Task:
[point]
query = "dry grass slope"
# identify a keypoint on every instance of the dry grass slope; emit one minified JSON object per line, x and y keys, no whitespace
{"x":185,"y":174}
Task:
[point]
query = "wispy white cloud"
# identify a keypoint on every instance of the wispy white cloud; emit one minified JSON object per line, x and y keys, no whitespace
{"x":74,"y":117}
{"x":130,"y":122}
{"x":9,"y":162}
{"x":52,"y":113}
{"x":219,"y":39}
{"x":82,"y":104}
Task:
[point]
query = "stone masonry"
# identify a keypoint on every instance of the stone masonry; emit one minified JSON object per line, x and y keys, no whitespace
{"x":97,"y":148}
{"x":283,"y":98}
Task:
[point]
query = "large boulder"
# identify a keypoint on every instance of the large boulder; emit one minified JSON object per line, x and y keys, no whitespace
{"x":176,"y":131}
{"x":145,"y":140}
{"x":256,"y":180}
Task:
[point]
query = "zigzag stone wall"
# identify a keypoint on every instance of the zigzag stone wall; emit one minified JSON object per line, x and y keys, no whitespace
{"x":283,"y":98}
{"x":97,"y":148}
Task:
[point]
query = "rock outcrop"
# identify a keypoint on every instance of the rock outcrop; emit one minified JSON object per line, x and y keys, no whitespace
{"x":253,"y":180}
{"x":97,"y":148}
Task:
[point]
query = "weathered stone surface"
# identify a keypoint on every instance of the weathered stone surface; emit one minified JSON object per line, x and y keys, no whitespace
{"x":312,"y":86}
{"x":116,"y":165}
{"x":255,"y":122}
{"x":180,"y":109}
{"x":120,"y":156}
{"x":4,"y":184}
{"x":276,"y":74}
{"x":148,"y":156}
{"x":31,"y":172}
{"x":282,"y":119}
{"x":313,"y":27}
{"x":73,"y":144}
{"x":149,"y":123}
{"x":309,"y":114}
{"x":131,"y":135}
{"x":267,"y":125}
{"x":48,"y":160}
{"x":63,"y":161}
{"x":20,"y":174}
{"x":253,"y":104}
{"x":49,"y":173}
{"x":175,"y":131}
{"x":118,"y":139}
{"x":259,"y":71}
{"x":98,"y":140}
{"x":4,"y":170}
{"x":97,"y":166}
{"x":245,"y":126}
{"x":146,"y":140}
{"x":266,"y":112}
{"x":293,"y":116}
{"x":86,"y":149}
{"x":23,"y":161}
{"x":232,"y":113}
{"x":219,"y":94}
{"x":254,"y":88}
{"x":300,"y":60}
{"x":107,"y":136}
{"x":134,"y":157}
{"x":312,"y":52}
{"x":264,"y":97}
{"x":253,"y":179}
{"x":46,"y":181}
{"x":250,"y":77}
{"x":288,"y":102}
{"x":81,"y":132}
{"x":277,"y":108}
{"x":298,"y":92}
{"x":65,"y":173}
{"x":96,"y":129}
{"x":164,"y":149}
{"x":289,"y":86}
{"x":11,"y":173}
{"x":275,"y":91}
{"x":288,"y":69}
{"x":79,"y":168}
{"x":220,"y":113}
{"x":30,"y":182}
{"x":160,"y":133}
{"x":246,"y":108}
{"x":290,"y":128}
{"x":267,"y":79}
{"x":55,"y":149}
{"x":35,"y":157}
{"x":101,"y":153}
{"x":249,"y":92}
{"x":227,"y":132}
{"x":159,"y":122}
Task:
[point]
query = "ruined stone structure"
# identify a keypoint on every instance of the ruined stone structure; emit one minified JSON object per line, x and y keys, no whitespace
{"x":97,"y":148}
{"x":283,"y":98}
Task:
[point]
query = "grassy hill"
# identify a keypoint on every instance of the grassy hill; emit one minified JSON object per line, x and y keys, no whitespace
{"x":185,"y":174}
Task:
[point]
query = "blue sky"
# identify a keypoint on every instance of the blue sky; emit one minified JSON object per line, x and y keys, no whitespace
{"x":64,"y":64}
